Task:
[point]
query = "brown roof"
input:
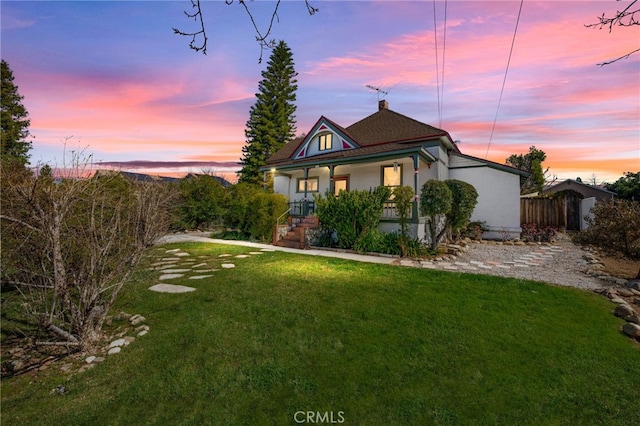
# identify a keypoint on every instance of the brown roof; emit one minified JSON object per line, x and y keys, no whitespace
{"x":382,"y":132}
{"x":389,"y":126}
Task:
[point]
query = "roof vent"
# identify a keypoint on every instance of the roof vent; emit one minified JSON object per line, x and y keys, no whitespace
{"x":383,"y":104}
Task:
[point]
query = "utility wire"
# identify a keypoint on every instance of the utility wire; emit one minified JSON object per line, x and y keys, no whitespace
{"x":435,"y":36}
{"x":513,"y":41}
{"x":444,"y":49}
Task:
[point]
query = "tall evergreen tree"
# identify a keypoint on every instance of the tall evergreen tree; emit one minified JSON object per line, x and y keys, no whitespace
{"x":271,"y":121}
{"x":15,"y":123}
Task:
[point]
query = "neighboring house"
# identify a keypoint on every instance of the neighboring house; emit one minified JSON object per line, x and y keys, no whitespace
{"x":579,"y":198}
{"x":390,"y":149}
{"x":587,"y":191}
{"x":141,"y":177}
{"x":225,"y":183}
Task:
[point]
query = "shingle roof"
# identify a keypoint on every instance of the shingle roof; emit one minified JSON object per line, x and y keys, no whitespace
{"x":385,"y":131}
{"x":389,"y":126}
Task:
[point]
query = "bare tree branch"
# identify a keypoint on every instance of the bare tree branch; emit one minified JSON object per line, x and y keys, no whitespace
{"x":197,"y":16}
{"x":261,"y":38}
{"x":624,"y":18}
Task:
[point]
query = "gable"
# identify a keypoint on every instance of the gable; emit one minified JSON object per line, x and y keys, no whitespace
{"x":324,"y":138}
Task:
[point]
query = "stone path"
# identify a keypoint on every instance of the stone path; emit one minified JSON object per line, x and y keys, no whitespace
{"x":562,"y":263}
{"x":175,"y":263}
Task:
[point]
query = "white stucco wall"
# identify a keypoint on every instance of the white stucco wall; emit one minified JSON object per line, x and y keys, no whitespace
{"x":498,"y":198}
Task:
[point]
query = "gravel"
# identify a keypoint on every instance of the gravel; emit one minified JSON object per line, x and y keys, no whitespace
{"x":565,"y":265}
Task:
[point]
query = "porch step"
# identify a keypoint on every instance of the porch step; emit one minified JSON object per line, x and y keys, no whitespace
{"x":295,"y":237}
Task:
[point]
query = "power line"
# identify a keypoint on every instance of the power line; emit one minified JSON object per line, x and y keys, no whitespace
{"x":435,"y":36}
{"x":440,"y":86}
{"x":444,"y":49}
{"x":513,"y":41}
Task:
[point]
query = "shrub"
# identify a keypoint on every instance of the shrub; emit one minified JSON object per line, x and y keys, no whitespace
{"x":352,"y":215}
{"x":531,"y":232}
{"x":266,"y":208}
{"x":464,"y":200}
{"x":435,"y":201}
{"x":403,"y":197}
{"x":253,"y":212}
{"x":474,"y":230}
{"x":70,"y":244}
{"x":614,"y":227}
{"x":202,"y":203}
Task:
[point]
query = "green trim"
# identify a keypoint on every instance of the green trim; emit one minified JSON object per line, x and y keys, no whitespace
{"x":383,"y":156}
{"x":384,"y":166}
{"x":316,"y":178}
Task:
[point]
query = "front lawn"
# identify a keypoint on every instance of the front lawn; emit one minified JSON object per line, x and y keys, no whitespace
{"x":368,"y":344}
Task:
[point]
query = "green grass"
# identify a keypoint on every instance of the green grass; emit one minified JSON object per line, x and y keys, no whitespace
{"x":283,"y":333}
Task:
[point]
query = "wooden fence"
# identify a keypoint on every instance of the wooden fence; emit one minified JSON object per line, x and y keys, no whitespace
{"x":544,"y":212}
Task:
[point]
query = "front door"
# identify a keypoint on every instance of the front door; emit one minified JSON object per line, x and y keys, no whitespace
{"x":340,"y":183}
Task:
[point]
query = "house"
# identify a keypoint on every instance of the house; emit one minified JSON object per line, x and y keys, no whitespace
{"x":585,"y":190}
{"x":391,"y":149}
{"x":578,"y":199}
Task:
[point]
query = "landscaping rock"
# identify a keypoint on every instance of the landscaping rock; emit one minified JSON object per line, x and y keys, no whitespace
{"x":634,"y":284}
{"x":632,"y":330}
{"x":625,"y":293}
{"x":136,"y":319}
{"x":627,"y":313}
{"x":114,"y":350}
{"x":116,"y":343}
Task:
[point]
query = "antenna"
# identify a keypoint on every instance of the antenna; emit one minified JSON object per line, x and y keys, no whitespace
{"x":378,"y":90}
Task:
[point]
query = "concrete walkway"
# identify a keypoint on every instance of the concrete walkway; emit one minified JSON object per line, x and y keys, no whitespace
{"x":183,"y":238}
{"x":561,"y":263}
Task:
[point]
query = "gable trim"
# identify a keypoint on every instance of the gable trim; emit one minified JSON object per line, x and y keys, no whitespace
{"x":323,"y":125}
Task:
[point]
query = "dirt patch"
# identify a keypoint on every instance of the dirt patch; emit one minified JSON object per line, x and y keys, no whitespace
{"x":620,"y":267}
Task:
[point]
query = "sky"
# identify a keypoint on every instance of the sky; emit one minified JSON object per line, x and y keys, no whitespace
{"x":110,"y":79}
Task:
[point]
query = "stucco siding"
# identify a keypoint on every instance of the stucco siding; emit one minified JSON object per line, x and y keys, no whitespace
{"x":498,"y":199}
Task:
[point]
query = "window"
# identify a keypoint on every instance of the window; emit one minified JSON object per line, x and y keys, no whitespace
{"x":340,"y":183}
{"x":326,"y":141}
{"x":310,"y":183}
{"x":392,"y":175}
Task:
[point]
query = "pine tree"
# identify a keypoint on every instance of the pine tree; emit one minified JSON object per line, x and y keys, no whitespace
{"x":15,"y":124}
{"x":271,"y":121}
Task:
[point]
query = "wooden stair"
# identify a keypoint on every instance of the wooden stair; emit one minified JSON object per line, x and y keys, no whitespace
{"x":296,"y":235}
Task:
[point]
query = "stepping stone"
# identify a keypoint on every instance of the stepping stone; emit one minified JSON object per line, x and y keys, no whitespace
{"x":174,"y":271}
{"x":256,"y":252}
{"x":242,"y":256}
{"x":170,"y":259}
{"x":173,"y":250}
{"x":199,"y":265}
{"x":182,"y":254}
{"x":267,"y":250}
{"x":224,"y":255}
{"x":228,"y":265}
{"x":199,"y":277}
{"x":208,"y":270}
{"x":164,"y":263}
{"x":169,"y":288}
{"x":169,"y":276}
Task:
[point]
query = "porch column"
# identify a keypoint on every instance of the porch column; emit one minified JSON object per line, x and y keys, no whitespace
{"x":305,"y":203}
{"x":332,"y":184}
{"x":265,"y":180}
{"x":416,"y":175}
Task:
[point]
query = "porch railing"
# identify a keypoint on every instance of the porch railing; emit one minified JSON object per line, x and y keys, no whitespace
{"x":302,"y":208}
{"x":389,"y":210}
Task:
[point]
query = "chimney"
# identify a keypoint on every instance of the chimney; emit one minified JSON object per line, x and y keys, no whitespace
{"x":383,"y":104}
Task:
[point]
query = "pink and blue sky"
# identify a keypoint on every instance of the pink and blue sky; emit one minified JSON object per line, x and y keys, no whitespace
{"x":111,"y":78}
